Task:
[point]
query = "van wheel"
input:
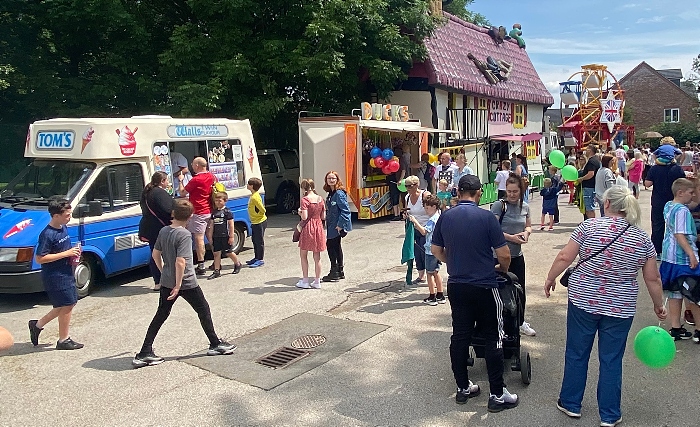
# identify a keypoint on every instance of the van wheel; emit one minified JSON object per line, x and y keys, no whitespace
{"x":238,"y":238}
{"x":286,"y":201}
{"x":85,"y":275}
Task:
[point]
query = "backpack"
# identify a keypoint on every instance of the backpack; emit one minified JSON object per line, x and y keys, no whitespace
{"x":429,"y":173}
{"x":216,"y":187}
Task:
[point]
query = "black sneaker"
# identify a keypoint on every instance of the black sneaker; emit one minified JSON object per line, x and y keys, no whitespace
{"x":146,"y":359}
{"x":34,"y":332}
{"x":237,"y":268}
{"x":430,"y":301}
{"x":211,"y":267}
{"x":688,"y":316}
{"x":68,"y":344}
{"x":441,"y":299}
{"x":464,"y":394}
{"x":200,"y":271}
{"x":214,"y":275}
{"x":222,"y":348}
{"x":504,"y":401}
{"x":696,"y":336}
{"x":680,"y":333}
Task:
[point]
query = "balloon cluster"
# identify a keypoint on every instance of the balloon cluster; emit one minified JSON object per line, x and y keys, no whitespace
{"x":384,"y":160}
{"x":558,"y":160}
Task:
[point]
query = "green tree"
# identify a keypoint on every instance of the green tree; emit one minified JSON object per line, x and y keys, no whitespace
{"x":460,"y":8}
{"x":681,"y":132}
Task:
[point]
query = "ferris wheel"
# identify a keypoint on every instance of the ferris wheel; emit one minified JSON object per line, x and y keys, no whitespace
{"x":598,"y":103}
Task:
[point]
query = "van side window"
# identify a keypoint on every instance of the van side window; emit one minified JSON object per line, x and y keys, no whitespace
{"x":117,"y":187}
{"x":268,"y":164}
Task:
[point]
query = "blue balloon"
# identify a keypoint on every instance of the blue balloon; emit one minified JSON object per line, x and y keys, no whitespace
{"x":388,"y":154}
{"x":375,"y":152}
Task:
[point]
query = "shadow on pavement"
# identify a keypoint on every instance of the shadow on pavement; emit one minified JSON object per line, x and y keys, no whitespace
{"x":284,"y":284}
{"x":22,"y":348}
{"x":10,"y":303}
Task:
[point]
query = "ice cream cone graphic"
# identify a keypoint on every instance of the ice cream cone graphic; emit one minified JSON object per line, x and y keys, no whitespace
{"x":251,"y":159}
{"x":87,"y":137}
{"x":127,"y":141}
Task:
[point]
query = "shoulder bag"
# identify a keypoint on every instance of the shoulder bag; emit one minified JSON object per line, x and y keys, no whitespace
{"x":564,"y":280}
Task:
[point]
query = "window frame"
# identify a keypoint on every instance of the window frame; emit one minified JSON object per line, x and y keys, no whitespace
{"x":670,"y":112}
{"x":519,"y":116}
{"x":111,"y":187}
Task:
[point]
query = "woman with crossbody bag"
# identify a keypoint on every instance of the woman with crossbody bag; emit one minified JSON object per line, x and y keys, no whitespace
{"x":602,"y":299}
{"x":156,"y":208}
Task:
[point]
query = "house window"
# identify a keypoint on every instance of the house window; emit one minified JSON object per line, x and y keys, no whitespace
{"x":672,"y":115}
{"x":531,"y":149}
{"x":483,"y":104}
{"x":519,"y":116}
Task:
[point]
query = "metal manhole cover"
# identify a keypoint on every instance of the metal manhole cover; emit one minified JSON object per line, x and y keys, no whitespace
{"x":282,"y":357}
{"x":308,"y":341}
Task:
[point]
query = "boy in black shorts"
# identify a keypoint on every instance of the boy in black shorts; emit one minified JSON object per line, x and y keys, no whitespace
{"x":57,"y":258}
{"x":220,"y":233}
{"x":173,"y":256}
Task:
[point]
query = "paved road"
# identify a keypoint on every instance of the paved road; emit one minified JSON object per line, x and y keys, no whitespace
{"x":399,"y":377}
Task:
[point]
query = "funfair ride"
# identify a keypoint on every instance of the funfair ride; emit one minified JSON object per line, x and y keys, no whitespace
{"x":598,"y":104}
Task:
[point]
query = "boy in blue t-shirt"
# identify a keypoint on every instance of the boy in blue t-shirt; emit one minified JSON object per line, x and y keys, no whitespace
{"x":679,"y":256}
{"x":431,"y":204}
{"x":57,"y":258}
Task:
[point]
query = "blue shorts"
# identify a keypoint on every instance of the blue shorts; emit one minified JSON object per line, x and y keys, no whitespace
{"x":548,"y":211}
{"x":61,"y":291}
{"x":589,"y":198}
{"x":670,"y":272}
{"x":432,"y":264}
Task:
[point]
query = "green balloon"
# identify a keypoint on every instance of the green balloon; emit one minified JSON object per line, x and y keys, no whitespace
{"x":569,"y":173}
{"x":625,"y":147}
{"x":401,"y":185}
{"x":557,"y":158}
{"x":654,"y":347}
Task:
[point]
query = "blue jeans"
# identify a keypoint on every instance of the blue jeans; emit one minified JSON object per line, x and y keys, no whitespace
{"x":589,"y":198}
{"x":581,"y":329}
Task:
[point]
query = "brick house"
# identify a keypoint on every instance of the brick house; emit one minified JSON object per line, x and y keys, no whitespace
{"x":452,"y":89}
{"x":657,"y":96}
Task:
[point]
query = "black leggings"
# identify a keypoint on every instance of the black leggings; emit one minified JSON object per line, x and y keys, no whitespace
{"x":258,"y":237}
{"x":335,"y":251}
{"x":195,"y":298}
{"x":155,"y":272}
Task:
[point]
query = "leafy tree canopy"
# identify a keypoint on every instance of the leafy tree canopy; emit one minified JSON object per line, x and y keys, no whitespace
{"x":460,"y":8}
{"x":681,"y":132}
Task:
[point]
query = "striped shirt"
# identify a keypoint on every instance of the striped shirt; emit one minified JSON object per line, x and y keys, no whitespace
{"x":679,"y":220}
{"x":607,"y":284}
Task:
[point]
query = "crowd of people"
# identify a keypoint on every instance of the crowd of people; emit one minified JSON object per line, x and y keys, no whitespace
{"x":602,"y":286}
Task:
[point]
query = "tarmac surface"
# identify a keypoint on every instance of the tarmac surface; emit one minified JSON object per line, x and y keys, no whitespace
{"x":399,"y":377}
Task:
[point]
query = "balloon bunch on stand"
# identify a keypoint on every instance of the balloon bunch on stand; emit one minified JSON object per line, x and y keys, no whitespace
{"x":558,"y":159}
{"x":384,"y":160}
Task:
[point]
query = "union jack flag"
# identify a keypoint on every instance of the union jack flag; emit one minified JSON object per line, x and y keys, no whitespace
{"x":611,"y":111}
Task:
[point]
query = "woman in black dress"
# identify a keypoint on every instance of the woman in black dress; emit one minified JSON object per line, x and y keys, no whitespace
{"x":156,"y":208}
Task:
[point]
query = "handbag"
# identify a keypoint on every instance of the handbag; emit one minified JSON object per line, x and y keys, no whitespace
{"x":564,"y":280}
{"x":297,"y":230}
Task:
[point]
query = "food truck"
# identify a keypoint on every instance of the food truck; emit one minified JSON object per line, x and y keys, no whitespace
{"x":101,"y":166}
{"x":349,"y":144}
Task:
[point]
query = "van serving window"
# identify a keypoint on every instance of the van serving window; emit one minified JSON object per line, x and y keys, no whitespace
{"x":226,"y":162}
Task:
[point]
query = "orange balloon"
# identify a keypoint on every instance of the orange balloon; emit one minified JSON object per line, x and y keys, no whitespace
{"x":6,"y":340}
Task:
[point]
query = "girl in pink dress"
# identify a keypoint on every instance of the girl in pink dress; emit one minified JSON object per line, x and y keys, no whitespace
{"x":312,"y":209}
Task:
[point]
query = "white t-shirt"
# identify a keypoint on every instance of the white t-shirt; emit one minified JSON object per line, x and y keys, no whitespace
{"x":179,"y":161}
{"x":417,"y":209}
{"x":501,"y":178}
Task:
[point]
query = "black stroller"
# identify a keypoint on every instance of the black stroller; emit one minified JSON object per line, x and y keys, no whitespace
{"x":513,"y":316}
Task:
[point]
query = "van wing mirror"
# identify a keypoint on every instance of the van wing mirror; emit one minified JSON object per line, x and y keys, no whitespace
{"x":94,"y":208}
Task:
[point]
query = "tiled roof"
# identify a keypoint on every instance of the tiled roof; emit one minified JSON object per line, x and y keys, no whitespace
{"x":448,"y":66}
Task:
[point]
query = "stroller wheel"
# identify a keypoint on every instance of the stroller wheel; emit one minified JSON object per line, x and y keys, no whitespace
{"x":525,"y":367}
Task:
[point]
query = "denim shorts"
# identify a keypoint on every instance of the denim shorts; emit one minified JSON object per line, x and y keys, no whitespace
{"x":589,"y":198}
{"x":431,"y":263}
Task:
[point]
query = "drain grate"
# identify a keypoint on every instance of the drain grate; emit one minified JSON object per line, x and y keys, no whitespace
{"x":282,"y":357}
{"x":308,"y":341}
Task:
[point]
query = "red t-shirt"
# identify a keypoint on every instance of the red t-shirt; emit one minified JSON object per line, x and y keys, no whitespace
{"x":199,"y":190}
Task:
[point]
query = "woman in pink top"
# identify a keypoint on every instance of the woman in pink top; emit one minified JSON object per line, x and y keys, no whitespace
{"x":635,"y":167}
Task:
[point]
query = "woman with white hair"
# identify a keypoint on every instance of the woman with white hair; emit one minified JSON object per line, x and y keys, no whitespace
{"x":602,"y":294}
{"x":462,"y":169}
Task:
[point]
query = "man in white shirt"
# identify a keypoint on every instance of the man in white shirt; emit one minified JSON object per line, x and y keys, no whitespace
{"x":180,"y":171}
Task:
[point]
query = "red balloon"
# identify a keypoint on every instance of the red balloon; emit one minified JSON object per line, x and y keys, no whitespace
{"x":394,"y":166}
{"x":386,"y":170}
{"x":379,"y":162}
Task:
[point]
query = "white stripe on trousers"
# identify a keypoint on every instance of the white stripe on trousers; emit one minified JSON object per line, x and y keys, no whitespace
{"x":499,"y":316}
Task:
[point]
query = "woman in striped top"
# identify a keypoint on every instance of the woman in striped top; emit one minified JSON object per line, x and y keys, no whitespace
{"x":603,"y":298}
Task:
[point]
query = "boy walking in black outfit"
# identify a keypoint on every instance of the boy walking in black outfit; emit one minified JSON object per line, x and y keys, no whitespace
{"x":173,"y":256}
{"x":220,"y":233}
{"x":57,"y":259}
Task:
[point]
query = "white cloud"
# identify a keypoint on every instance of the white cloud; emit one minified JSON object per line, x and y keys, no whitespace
{"x":629,"y":5}
{"x":656,"y":18}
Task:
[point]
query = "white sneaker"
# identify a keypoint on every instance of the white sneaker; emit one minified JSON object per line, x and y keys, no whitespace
{"x":525,"y":329}
{"x":316,"y":284}
{"x":504,"y":401}
{"x":612,"y":424}
{"x":304,"y":284}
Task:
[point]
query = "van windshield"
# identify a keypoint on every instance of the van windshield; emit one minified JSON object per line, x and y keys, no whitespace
{"x":44,"y":179}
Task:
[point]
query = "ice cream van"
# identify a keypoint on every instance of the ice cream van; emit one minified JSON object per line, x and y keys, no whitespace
{"x":101,"y":165}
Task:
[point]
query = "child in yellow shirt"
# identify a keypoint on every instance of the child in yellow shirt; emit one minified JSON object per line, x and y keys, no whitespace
{"x":258,"y":222}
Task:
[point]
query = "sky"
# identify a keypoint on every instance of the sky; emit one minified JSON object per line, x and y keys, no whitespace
{"x":561,"y":36}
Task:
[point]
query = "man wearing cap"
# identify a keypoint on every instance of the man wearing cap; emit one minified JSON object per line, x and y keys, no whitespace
{"x":473,"y":289}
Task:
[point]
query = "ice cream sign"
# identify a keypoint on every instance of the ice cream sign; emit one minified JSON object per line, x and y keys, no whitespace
{"x":55,"y":140}
{"x":127,"y":140}
{"x":183,"y":131}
